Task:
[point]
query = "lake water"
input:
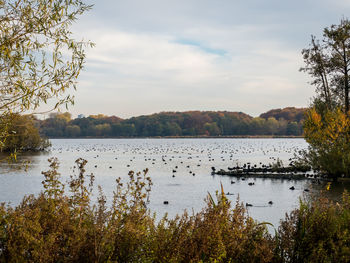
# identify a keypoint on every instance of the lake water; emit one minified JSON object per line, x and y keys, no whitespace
{"x":116,"y":157}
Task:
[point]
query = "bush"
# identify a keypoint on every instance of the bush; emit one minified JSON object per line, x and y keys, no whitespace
{"x":319,"y":231}
{"x":60,"y":226}
{"x":66,"y":226}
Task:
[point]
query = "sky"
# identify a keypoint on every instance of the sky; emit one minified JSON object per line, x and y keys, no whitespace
{"x":179,"y":55}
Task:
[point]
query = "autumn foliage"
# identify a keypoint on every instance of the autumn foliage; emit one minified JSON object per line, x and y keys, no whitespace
{"x":190,"y":123}
{"x":20,"y":133}
{"x":66,"y":225}
{"x":316,"y":232}
{"x":328,"y":136}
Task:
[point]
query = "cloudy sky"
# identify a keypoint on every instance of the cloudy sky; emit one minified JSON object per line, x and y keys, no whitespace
{"x":179,"y":55}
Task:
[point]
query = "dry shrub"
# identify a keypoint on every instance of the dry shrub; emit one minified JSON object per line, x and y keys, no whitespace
{"x":319,"y":231}
{"x":66,"y":226}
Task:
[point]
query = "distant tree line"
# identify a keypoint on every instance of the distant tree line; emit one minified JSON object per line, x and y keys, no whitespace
{"x":283,"y":122}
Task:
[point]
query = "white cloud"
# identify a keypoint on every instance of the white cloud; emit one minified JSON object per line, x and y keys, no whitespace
{"x":144,"y":61}
{"x":150,"y":56}
{"x":138,"y":72}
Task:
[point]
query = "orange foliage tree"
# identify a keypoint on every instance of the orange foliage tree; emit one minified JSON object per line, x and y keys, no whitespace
{"x":328,"y":136}
{"x":327,"y":128}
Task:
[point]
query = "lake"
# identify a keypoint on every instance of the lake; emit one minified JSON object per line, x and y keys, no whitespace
{"x":193,"y":180}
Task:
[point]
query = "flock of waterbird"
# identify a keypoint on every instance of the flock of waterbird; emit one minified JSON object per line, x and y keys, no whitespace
{"x":183,"y":158}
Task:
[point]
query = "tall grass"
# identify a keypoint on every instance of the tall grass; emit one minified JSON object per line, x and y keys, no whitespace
{"x":63,"y":225}
{"x":319,"y":231}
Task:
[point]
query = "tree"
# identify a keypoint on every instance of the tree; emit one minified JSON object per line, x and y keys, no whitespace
{"x":271,"y":126}
{"x":317,"y":67}
{"x":55,"y":126}
{"x":328,"y":137}
{"x":39,"y":59}
{"x":23,"y":135}
{"x":327,"y":124}
{"x":212,"y":129}
{"x":67,"y":117}
{"x":171,"y":129}
{"x":72,"y":131}
{"x":33,"y":68}
{"x":103,"y":129}
{"x":292,"y":128}
{"x":328,"y":63}
{"x":257,"y":126}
